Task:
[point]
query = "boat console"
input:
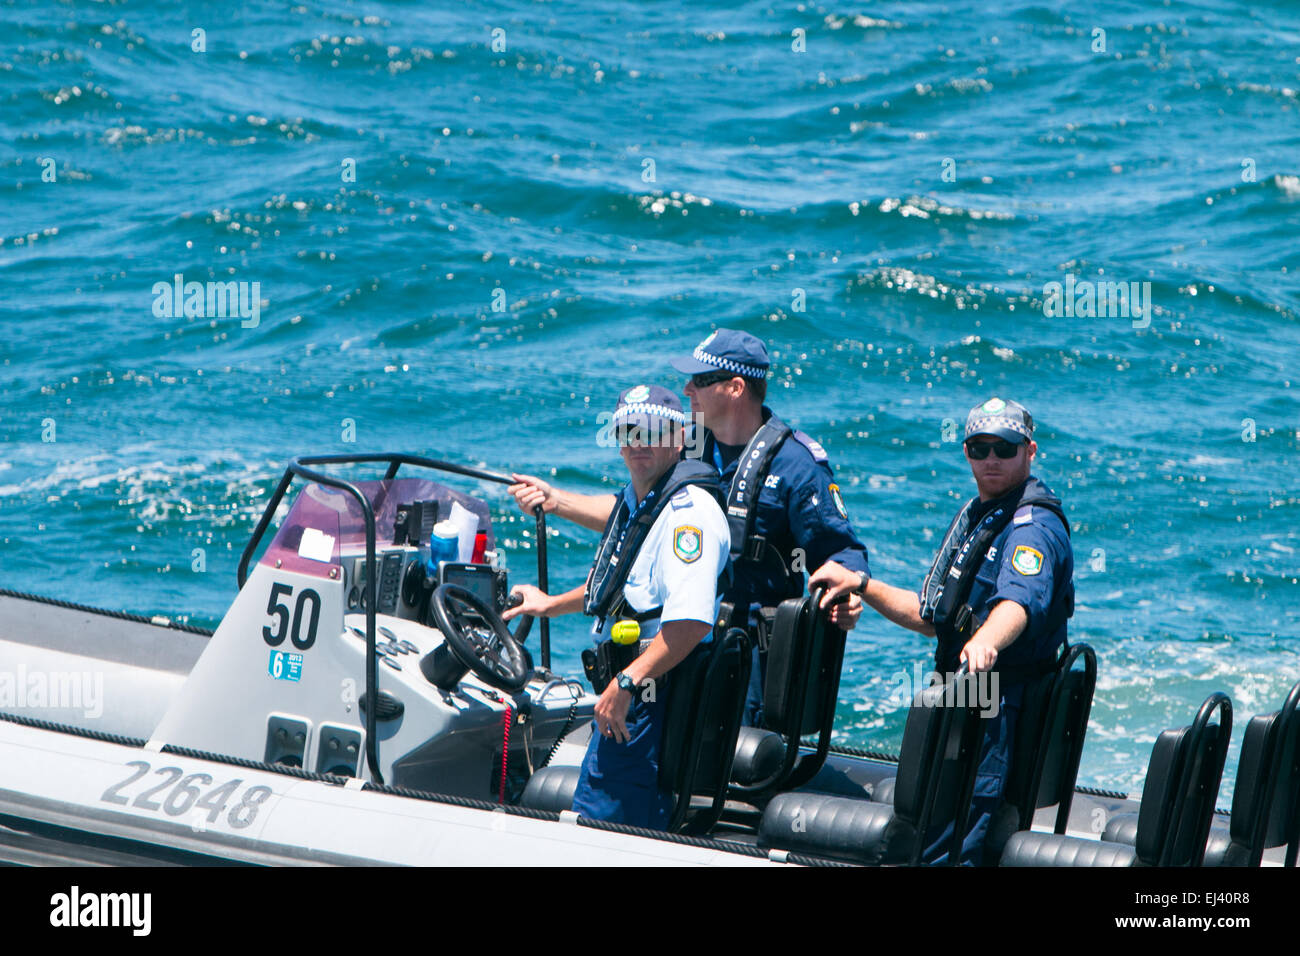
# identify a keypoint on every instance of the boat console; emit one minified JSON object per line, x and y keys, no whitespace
{"x":345,"y":653}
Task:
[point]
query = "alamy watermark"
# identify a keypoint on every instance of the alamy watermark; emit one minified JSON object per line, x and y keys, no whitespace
{"x":74,"y":908}
{"x":980,"y":690}
{"x":208,"y":300}
{"x":1084,"y":299}
{"x":24,"y":689}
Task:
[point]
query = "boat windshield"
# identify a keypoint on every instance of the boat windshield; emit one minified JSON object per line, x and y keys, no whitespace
{"x":324,"y":521}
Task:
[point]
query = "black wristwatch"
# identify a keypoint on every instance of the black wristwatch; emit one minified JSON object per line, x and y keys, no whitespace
{"x":861,"y":589}
{"x":625,"y":683}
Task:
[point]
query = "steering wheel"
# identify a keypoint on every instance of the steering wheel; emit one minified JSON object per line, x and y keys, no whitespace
{"x":478,"y":638}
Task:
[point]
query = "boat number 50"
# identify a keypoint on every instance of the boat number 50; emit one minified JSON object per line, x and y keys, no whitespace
{"x":280,"y":611}
{"x":187,"y":793}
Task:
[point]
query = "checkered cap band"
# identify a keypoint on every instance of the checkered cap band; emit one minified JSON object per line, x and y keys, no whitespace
{"x":988,"y":423}
{"x":645,"y":408}
{"x":748,"y":371}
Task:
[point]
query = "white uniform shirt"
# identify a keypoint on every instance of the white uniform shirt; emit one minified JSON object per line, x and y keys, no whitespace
{"x":679,"y":562}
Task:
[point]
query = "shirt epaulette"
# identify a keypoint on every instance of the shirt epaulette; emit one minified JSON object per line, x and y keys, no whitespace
{"x":813,"y":446}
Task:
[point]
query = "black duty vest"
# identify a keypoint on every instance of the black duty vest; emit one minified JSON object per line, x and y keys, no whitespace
{"x":626,"y":531}
{"x":945,"y":594}
{"x":742,"y":497}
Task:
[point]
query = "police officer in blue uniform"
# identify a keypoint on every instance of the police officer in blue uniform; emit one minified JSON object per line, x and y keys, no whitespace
{"x":998,"y":594}
{"x":655,"y":581}
{"x":784,"y":508}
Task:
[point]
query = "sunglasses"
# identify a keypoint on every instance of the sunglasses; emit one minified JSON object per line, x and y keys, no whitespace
{"x":705,"y":379}
{"x":978,"y":451}
{"x":632,"y":435}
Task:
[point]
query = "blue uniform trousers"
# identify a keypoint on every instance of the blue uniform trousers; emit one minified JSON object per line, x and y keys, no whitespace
{"x":990,"y":780}
{"x":620,"y":782}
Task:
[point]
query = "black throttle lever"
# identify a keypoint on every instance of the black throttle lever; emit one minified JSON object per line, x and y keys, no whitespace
{"x":525,"y":622}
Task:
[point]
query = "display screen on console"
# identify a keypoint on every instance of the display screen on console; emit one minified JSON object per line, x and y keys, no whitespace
{"x":479,"y":579}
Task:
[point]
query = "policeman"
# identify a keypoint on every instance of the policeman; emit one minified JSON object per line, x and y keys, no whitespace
{"x":664,"y":547}
{"x":785,"y":511}
{"x":998,"y":594}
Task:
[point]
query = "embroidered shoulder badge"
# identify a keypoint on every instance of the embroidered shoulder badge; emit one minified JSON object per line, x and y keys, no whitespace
{"x":839,"y":502}
{"x":686,"y":543}
{"x":1027,"y":560}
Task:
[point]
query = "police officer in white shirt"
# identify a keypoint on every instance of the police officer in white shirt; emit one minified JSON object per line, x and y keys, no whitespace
{"x":665,"y":545}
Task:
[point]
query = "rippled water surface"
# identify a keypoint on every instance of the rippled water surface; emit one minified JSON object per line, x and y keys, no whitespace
{"x":630,"y":176}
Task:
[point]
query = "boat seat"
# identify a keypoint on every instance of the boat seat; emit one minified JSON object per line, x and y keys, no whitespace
{"x":1267,"y":778}
{"x":800,"y":691}
{"x":936,"y":772}
{"x":708,"y":694}
{"x":1045,"y":765}
{"x":701,"y":726}
{"x":837,"y":827}
{"x":1122,"y":828}
{"x":1251,"y":769}
{"x":1049,"y":744}
{"x":551,"y":788}
{"x":1031,"y":848}
{"x":1177,"y":801}
{"x":759,"y":754}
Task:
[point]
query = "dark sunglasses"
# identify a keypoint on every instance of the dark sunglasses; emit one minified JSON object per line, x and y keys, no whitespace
{"x":632,"y":435}
{"x":978,"y":451}
{"x":705,"y":379}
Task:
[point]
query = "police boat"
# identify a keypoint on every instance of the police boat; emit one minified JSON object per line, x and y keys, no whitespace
{"x":360,"y":704}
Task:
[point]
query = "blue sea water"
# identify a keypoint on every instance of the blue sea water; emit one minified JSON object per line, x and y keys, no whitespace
{"x":883,"y":192}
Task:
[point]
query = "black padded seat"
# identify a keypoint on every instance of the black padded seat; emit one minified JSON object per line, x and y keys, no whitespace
{"x":699,"y":734}
{"x":800,"y":692}
{"x":1029,"y":848}
{"x":1173,"y":820}
{"x":837,"y":827}
{"x":701,"y":728}
{"x":936,"y":771}
{"x":1256,"y":796}
{"x":1121,"y":828}
{"x":551,"y":788}
{"x":1049,"y":742}
{"x":759,"y":754}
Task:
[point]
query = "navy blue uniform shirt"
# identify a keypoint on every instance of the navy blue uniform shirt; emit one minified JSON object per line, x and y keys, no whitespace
{"x":799,"y":506}
{"x":1029,"y":562}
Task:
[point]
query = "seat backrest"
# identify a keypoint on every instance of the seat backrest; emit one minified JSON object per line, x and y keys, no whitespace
{"x":800,"y":691}
{"x":799,"y":683}
{"x":1016,"y":811}
{"x":1159,"y":794}
{"x":936,"y":767}
{"x":1064,"y":729}
{"x":1182,"y":786}
{"x":705,"y":707}
{"x":1053,"y":719}
{"x":1250,"y":797}
{"x":1283,"y":822}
